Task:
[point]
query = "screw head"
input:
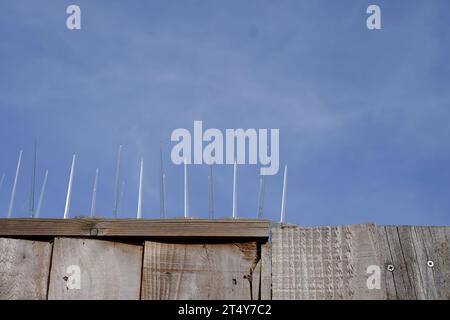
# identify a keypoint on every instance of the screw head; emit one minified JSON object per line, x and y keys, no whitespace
{"x":430,"y":263}
{"x":390,"y":267}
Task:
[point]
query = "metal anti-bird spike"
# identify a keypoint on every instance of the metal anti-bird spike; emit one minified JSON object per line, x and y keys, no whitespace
{"x":116,"y":183}
{"x":141,"y":173}
{"x":33,"y":180}
{"x":94,"y":194}
{"x":186,"y":194}
{"x":120,"y":201}
{"x":69,"y":188}
{"x":261,"y":197}
{"x":283,"y":196}
{"x":1,"y":182}
{"x":162,"y":186}
{"x":13,"y":191}
{"x":234,"y":190}
{"x":210,"y":194}
{"x":41,"y":196}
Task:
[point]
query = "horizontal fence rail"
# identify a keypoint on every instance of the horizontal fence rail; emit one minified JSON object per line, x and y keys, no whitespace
{"x":227,"y":228}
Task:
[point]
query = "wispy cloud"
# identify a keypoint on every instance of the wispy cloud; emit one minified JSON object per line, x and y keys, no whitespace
{"x":363,"y":115}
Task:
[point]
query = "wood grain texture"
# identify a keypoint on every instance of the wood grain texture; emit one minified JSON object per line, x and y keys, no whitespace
{"x":24,"y":269}
{"x":198,"y":271}
{"x":109,"y":270}
{"x":197,"y":228}
{"x":409,"y":249}
{"x":261,"y":285}
{"x":331,"y":262}
{"x":323,"y":262}
{"x":297,"y":263}
{"x":266,"y":272}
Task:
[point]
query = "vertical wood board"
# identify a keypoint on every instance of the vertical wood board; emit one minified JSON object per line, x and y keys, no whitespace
{"x":108,"y":270}
{"x":199,"y":271}
{"x":410,"y":250}
{"x":24,"y":269}
{"x":324,"y":262}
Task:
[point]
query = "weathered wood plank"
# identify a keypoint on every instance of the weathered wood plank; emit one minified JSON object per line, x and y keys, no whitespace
{"x":261,"y":274}
{"x":266,"y":270}
{"x":299,"y":263}
{"x":256,"y":281}
{"x":439,"y":241}
{"x":395,"y":255}
{"x":415,"y":259}
{"x":198,"y":271}
{"x":197,"y":228}
{"x":24,"y":269}
{"x":108,"y":270}
{"x":386,"y":260}
{"x":408,"y":250}
{"x":323,"y":262}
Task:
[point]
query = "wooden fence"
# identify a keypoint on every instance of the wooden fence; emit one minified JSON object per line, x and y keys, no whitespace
{"x":220,"y":259}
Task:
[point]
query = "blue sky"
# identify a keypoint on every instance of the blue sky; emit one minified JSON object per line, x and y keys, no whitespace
{"x":363,"y":115}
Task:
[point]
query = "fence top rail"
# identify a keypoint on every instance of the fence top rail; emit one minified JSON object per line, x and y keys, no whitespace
{"x":164,"y":228}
